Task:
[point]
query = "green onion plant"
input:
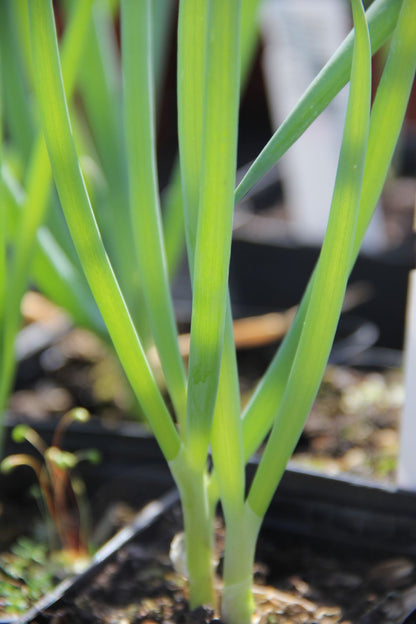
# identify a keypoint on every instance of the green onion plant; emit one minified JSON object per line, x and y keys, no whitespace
{"x":27,"y":250}
{"x":35,"y":239}
{"x":208,"y":441}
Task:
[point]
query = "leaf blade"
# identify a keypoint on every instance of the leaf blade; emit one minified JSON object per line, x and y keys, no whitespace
{"x":330,"y":279}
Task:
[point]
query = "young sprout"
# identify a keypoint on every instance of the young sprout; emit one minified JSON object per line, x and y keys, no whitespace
{"x":25,"y":433}
{"x":60,"y":489}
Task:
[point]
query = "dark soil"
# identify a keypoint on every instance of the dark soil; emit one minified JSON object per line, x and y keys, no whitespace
{"x":295,"y":582}
{"x":353,"y":426}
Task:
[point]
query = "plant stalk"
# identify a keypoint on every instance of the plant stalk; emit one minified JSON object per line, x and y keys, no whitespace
{"x":240,"y":546}
{"x":198,"y":524}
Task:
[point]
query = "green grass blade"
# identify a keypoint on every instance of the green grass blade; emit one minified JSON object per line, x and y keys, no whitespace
{"x":215,"y":213}
{"x":100,"y":88}
{"x":388,"y":112}
{"x":249,"y":36}
{"x":329,"y":282}
{"x":191,"y":70}
{"x":33,"y":213}
{"x":23,"y":36}
{"x":227,"y":436}
{"x":382,"y":17}
{"x":193,"y":17}
{"x":144,"y":192}
{"x":51,"y":270}
{"x":227,"y":439}
{"x":191,"y":88}
{"x":18,"y":114}
{"x":383,"y":136}
{"x":163,"y":13}
{"x":101,"y":93}
{"x":3,"y":222}
{"x":80,"y":217}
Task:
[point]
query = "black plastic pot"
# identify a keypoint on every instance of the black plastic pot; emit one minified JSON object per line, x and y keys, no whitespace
{"x":267,"y":275}
{"x":411,"y":618}
{"x":328,"y":512}
{"x":128,"y":453}
{"x":270,"y":268}
{"x":348,"y":511}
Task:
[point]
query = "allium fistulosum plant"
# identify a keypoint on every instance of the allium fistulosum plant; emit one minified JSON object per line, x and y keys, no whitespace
{"x":206,"y":397}
{"x":39,"y":249}
{"x":26,"y":184}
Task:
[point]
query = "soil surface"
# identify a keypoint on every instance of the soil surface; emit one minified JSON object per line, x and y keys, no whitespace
{"x":295,"y":583}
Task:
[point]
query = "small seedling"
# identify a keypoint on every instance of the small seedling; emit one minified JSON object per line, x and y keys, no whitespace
{"x":26,"y":573}
{"x":61,"y":491}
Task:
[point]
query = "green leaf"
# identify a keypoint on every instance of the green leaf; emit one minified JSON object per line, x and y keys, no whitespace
{"x":215,"y":213}
{"x":52,"y":271}
{"x":227,"y":435}
{"x":140,"y":139}
{"x":83,"y":227}
{"x":192,"y":33}
{"x":330,"y":279}
{"x":33,"y":213}
{"x":249,"y":36}
{"x":383,"y":136}
{"x":382,"y":17}
{"x":18,"y":115}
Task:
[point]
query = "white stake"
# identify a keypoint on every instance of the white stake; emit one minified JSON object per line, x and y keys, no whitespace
{"x":407,"y":450}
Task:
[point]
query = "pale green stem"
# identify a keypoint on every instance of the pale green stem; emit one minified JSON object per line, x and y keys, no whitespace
{"x":240,"y":547}
{"x":198,"y":524}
